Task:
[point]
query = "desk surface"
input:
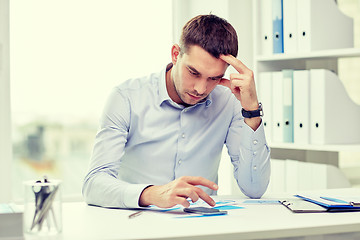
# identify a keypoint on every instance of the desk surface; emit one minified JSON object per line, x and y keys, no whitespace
{"x":252,"y":222}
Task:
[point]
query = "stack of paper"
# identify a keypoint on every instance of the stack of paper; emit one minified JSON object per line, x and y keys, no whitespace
{"x":11,"y":222}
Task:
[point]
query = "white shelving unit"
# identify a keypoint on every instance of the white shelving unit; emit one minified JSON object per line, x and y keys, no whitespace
{"x":326,"y":59}
{"x":323,"y":54}
{"x":312,"y":147}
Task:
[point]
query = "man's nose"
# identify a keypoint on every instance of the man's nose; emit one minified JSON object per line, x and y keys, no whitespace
{"x":200,"y":86}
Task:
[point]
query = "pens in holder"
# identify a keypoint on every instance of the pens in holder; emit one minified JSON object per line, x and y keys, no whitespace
{"x":43,"y":207}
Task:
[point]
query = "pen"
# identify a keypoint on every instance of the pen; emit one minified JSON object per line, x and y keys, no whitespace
{"x":133,"y":215}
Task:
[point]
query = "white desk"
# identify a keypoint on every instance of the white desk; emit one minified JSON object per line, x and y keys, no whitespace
{"x":253,"y":222}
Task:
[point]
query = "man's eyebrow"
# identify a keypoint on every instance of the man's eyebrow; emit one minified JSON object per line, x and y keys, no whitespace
{"x":219,"y":76}
{"x":193,"y":69}
{"x":197,"y":72}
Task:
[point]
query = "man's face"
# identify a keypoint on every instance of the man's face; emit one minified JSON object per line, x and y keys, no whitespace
{"x":195,"y":74}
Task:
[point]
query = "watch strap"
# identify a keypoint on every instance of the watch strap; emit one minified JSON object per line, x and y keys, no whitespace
{"x":254,"y":113}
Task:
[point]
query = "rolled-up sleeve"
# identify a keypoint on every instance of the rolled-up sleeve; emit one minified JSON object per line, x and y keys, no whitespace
{"x":250,"y":156}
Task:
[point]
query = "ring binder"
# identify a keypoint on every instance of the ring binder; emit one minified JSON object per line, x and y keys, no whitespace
{"x":301,"y":206}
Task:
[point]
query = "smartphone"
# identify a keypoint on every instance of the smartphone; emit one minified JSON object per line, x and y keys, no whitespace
{"x":204,"y":211}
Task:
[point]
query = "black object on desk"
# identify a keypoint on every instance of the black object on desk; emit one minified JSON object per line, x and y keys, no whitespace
{"x":204,"y":211}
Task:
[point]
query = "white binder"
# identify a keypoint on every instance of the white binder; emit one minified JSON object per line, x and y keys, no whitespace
{"x":321,"y":25}
{"x":291,"y":175}
{"x":304,"y":25}
{"x":290,"y":26}
{"x":288,"y":116}
{"x":277,"y":178}
{"x":266,"y":27}
{"x":312,"y":176}
{"x":334,"y":117}
{"x":277,"y":110}
{"x":302,"y":107}
{"x":264,"y":86}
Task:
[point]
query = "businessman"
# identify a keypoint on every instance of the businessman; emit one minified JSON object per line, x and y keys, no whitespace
{"x":161,"y":136}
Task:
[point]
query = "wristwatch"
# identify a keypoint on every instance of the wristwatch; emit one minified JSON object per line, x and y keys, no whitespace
{"x":255,"y":113}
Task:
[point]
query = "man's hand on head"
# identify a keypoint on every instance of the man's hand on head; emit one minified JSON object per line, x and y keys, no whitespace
{"x":177,"y":192}
{"x":242,"y":85}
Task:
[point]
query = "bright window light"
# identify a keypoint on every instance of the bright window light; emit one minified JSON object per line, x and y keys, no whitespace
{"x":66,"y":56}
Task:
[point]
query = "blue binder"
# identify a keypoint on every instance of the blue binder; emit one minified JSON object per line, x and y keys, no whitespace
{"x":278,"y":32}
{"x":333,"y":204}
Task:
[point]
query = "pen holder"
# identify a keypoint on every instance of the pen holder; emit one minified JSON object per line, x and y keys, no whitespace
{"x":42,"y":208}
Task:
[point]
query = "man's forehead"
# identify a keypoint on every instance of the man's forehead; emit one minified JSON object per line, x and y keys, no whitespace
{"x":203,"y":68}
{"x":203,"y":62}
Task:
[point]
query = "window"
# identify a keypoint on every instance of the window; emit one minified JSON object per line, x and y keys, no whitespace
{"x":65,"y":57}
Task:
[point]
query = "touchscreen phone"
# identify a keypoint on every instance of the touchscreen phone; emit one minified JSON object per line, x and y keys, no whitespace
{"x":204,"y":211}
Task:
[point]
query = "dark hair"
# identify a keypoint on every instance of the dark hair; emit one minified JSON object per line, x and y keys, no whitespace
{"x":212,"y":33}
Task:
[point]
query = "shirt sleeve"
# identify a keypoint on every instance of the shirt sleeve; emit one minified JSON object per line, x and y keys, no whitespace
{"x":101,"y":185}
{"x":250,"y":155}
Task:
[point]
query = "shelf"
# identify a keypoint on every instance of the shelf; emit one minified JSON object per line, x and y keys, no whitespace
{"x":312,"y":147}
{"x":332,"y":53}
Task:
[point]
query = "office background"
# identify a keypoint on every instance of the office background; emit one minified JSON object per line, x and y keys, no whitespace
{"x":63,"y":58}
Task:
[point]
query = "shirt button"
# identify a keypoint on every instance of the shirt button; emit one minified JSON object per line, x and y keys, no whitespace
{"x":183,"y":135}
{"x":255,"y":167}
{"x":255,"y":142}
{"x":254,"y":153}
{"x":179,"y":161}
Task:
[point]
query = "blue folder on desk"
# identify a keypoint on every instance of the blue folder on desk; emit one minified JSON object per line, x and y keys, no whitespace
{"x":333,"y":204}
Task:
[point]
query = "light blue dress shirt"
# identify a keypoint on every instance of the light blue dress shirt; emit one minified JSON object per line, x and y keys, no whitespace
{"x":147,"y":139}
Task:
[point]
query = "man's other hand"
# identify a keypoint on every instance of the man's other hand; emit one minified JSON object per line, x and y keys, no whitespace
{"x":177,"y":192}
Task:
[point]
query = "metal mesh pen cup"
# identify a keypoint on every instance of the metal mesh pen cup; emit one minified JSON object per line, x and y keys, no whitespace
{"x":42,"y":208}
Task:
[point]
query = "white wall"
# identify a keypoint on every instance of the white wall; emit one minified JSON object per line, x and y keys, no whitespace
{"x":184,"y":10}
{"x":5,"y":143}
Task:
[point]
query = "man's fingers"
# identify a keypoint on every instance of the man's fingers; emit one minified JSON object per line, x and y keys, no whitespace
{"x":239,"y":76}
{"x":189,"y":193}
{"x":205,"y":196}
{"x":236,"y":63}
{"x":182,"y":201}
{"x":225,"y":82}
{"x":194,"y":197}
{"x":201,"y":181}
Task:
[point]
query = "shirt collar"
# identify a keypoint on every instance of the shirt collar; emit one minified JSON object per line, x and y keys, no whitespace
{"x":164,"y":95}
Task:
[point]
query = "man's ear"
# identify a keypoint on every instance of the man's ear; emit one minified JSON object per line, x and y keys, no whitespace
{"x":175,"y":53}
